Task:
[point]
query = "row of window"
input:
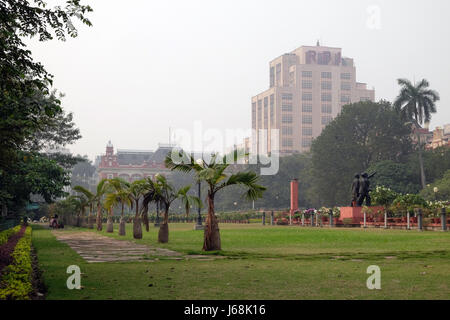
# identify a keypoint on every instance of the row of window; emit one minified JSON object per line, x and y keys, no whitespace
{"x":327,"y":75}
{"x":287,"y":142}
{"x":326,"y":108}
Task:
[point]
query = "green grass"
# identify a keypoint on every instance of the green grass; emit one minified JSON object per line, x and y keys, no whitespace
{"x":262,"y":263}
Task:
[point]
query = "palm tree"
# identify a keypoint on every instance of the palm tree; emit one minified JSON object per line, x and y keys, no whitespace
{"x":97,"y":199}
{"x":213,"y":173}
{"x":163,"y":192}
{"x":416,"y":102}
{"x":136,"y":191}
{"x":118,"y":195}
{"x":188,"y":200}
{"x":81,"y":202}
{"x":90,"y":198}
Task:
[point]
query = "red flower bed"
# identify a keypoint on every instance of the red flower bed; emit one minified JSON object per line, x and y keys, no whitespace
{"x":8,"y":248}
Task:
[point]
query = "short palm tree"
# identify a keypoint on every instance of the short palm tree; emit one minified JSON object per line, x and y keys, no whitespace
{"x":97,"y":198}
{"x":188,"y":200}
{"x":213,"y":173}
{"x":81,"y":202}
{"x":160,"y":190}
{"x":117,"y":195}
{"x":416,"y":102}
{"x":136,"y":191}
{"x":90,"y":198}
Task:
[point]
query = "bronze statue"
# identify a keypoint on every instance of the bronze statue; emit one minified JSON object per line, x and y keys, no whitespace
{"x":364,"y":189}
{"x":355,"y":191}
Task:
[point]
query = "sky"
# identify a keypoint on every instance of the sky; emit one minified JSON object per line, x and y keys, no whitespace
{"x":147,"y":66}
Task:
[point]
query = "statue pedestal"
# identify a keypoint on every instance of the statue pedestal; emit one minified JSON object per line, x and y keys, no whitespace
{"x":355,"y":213}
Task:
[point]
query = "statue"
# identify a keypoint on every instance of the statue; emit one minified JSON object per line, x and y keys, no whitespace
{"x":364,"y":189}
{"x":355,"y":190}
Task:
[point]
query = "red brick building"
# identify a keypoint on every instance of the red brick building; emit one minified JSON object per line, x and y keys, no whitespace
{"x":133,"y":165}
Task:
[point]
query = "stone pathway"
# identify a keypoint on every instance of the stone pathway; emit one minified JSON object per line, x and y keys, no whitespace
{"x":98,"y":248}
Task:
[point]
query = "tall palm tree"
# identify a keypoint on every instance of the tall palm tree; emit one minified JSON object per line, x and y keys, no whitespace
{"x":97,"y":199}
{"x":118,"y":195}
{"x":90,"y":198}
{"x":416,"y":102}
{"x":213,"y":173}
{"x":136,"y":191}
{"x":164,"y":192}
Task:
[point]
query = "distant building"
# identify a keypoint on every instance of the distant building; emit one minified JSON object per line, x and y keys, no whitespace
{"x":440,"y":138}
{"x":133,"y":165}
{"x":308,"y":88}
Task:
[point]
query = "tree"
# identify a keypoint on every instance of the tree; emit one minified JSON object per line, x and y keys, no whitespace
{"x":136,"y":192}
{"x":439,"y":190}
{"x":213,"y":173}
{"x":361,"y":135}
{"x":164,"y":192}
{"x":395,"y":175}
{"x":91,"y":201}
{"x":118,"y":195}
{"x":416,"y":102}
{"x":188,"y":201}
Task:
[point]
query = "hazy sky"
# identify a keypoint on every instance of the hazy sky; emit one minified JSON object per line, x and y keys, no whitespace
{"x":146,"y":66}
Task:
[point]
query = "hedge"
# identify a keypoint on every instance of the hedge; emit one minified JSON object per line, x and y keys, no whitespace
{"x":16,"y":281}
{"x":4,"y":235}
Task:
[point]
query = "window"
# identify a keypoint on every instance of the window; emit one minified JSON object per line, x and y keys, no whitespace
{"x":287,"y":118}
{"x":307,"y":108}
{"x":272,"y":77}
{"x":365,"y":99}
{"x":272,"y":101}
{"x":278,"y":73}
{"x":346,"y":86}
{"x":307,"y":131}
{"x":307,"y":96}
{"x":345,"y":98}
{"x":326,"y":75}
{"x":286,"y":107}
{"x":306,"y":84}
{"x":259,"y":113}
{"x":286,"y":96}
{"x":306,"y":142}
{"x":286,"y":131}
{"x":287,"y":142}
{"x":307,"y":119}
{"x":254,"y":115}
{"x":307,"y":74}
{"x":326,"y":85}
{"x":326,"y":120}
{"x":326,"y":96}
{"x":110,"y":175}
{"x":346,"y":76}
{"x":266,"y":114}
{"x":326,"y":108}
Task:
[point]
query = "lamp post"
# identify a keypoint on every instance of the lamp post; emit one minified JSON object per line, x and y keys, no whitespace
{"x":199,"y":225}
{"x":436,"y":190}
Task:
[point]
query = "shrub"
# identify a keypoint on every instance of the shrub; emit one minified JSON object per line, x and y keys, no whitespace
{"x":5,"y":235}
{"x":383,"y":196}
{"x":16,"y":281}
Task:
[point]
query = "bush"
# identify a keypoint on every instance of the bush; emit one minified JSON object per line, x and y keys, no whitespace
{"x":383,"y":196}
{"x":16,"y":281}
{"x":4,"y":235}
{"x":409,"y":202}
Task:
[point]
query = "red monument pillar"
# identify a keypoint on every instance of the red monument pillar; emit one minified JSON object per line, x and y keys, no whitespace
{"x":294,"y":199}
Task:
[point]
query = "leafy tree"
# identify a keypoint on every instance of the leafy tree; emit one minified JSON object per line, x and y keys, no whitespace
{"x":361,"y":135}
{"x":416,"y":102}
{"x":213,"y":172}
{"x":395,"y":175}
{"x":439,"y":190}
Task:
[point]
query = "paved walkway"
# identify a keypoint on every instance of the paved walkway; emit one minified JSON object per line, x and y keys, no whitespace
{"x":94,"y":247}
{"x":98,"y":248}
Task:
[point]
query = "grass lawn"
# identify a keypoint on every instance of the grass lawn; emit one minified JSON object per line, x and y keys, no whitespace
{"x":261,"y":263}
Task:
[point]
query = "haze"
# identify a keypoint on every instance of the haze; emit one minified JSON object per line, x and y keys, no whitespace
{"x":146,"y":66}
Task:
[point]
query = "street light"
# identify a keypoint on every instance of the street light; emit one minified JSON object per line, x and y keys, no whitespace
{"x":436,"y":190}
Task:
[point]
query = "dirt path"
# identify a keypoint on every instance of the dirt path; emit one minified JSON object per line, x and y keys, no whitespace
{"x":94,"y":247}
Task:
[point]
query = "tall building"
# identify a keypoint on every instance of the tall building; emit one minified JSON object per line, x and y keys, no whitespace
{"x":133,"y":165}
{"x":307,"y":89}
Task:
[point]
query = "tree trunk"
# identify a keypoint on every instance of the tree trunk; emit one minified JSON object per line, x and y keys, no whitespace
{"x":109,"y":223}
{"x":163,"y":234}
{"x":99,"y":218}
{"x":145,"y":219}
{"x":422,"y":171}
{"x":137,"y":227}
{"x":122,"y":224}
{"x":212,"y":234}
{"x":122,"y":227}
{"x":90,"y":219}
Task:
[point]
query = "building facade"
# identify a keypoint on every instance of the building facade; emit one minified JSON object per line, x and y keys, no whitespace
{"x":307,"y":89}
{"x":132,"y":165}
{"x":441,"y":137}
